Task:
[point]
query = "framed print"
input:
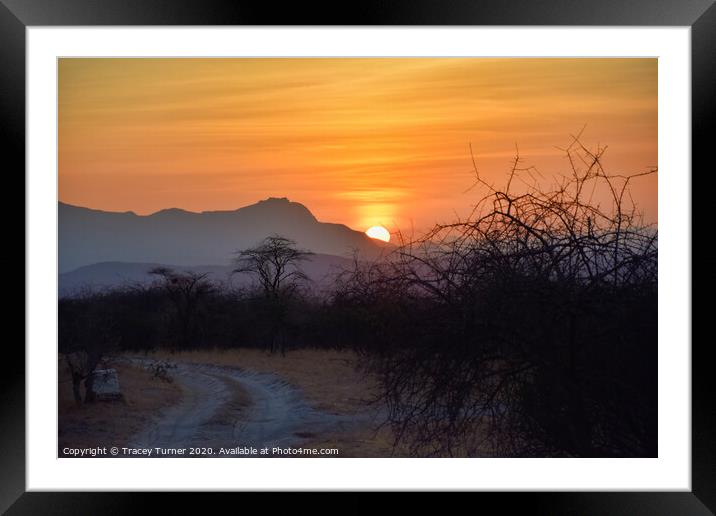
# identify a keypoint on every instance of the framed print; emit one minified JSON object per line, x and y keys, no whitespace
{"x":434,"y":249}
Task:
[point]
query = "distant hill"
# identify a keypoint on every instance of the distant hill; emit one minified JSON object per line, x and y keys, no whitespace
{"x":321,"y":269}
{"x":88,"y":236}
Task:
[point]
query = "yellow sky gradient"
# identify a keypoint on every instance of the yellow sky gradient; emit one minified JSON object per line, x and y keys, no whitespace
{"x":358,"y":141}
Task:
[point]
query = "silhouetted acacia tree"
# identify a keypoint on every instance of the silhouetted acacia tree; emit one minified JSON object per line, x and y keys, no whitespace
{"x":275,"y":263}
{"x":186,"y":292}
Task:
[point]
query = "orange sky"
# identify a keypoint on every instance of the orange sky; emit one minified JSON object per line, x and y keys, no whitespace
{"x":358,"y":141}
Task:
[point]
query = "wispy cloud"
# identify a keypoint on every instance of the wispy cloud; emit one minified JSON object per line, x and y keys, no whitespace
{"x":347,"y":137}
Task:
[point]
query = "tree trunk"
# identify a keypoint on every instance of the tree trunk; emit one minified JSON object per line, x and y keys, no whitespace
{"x":93,"y":359}
{"x":76,"y":382}
{"x":89,"y":390}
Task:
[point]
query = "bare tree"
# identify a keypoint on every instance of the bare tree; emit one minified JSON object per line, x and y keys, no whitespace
{"x":87,"y":334}
{"x":275,"y":263}
{"x":528,"y":328}
{"x":186,"y":291}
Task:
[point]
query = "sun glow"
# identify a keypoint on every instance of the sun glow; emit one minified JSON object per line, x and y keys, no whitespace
{"x":359,"y":141}
{"x":379,"y":233}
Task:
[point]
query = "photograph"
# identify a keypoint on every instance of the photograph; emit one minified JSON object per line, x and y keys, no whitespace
{"x":357,"y":257}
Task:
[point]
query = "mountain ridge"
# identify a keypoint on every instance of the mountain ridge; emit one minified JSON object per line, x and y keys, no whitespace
{"x":173,"y":235}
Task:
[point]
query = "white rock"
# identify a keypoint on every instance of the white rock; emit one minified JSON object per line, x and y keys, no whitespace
{"x":105,"y":384}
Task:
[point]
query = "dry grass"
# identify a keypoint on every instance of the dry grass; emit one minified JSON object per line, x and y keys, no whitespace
{"x":327,"y":378}
{"x":111,"y":423}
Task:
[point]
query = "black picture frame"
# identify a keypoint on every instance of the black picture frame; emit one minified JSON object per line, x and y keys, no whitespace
{"x":17,"y":15}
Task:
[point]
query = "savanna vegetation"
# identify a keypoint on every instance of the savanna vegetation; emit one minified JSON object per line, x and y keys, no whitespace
{"x":527,"y":329}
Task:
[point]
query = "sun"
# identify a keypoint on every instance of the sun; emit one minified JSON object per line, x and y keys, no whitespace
{"x":379,"y":233}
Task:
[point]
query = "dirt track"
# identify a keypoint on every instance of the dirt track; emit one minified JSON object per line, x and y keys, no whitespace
{"x":276,"y":416}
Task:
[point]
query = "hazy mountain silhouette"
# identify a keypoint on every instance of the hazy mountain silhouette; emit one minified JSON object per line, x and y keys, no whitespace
{"x":183,"y":238}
